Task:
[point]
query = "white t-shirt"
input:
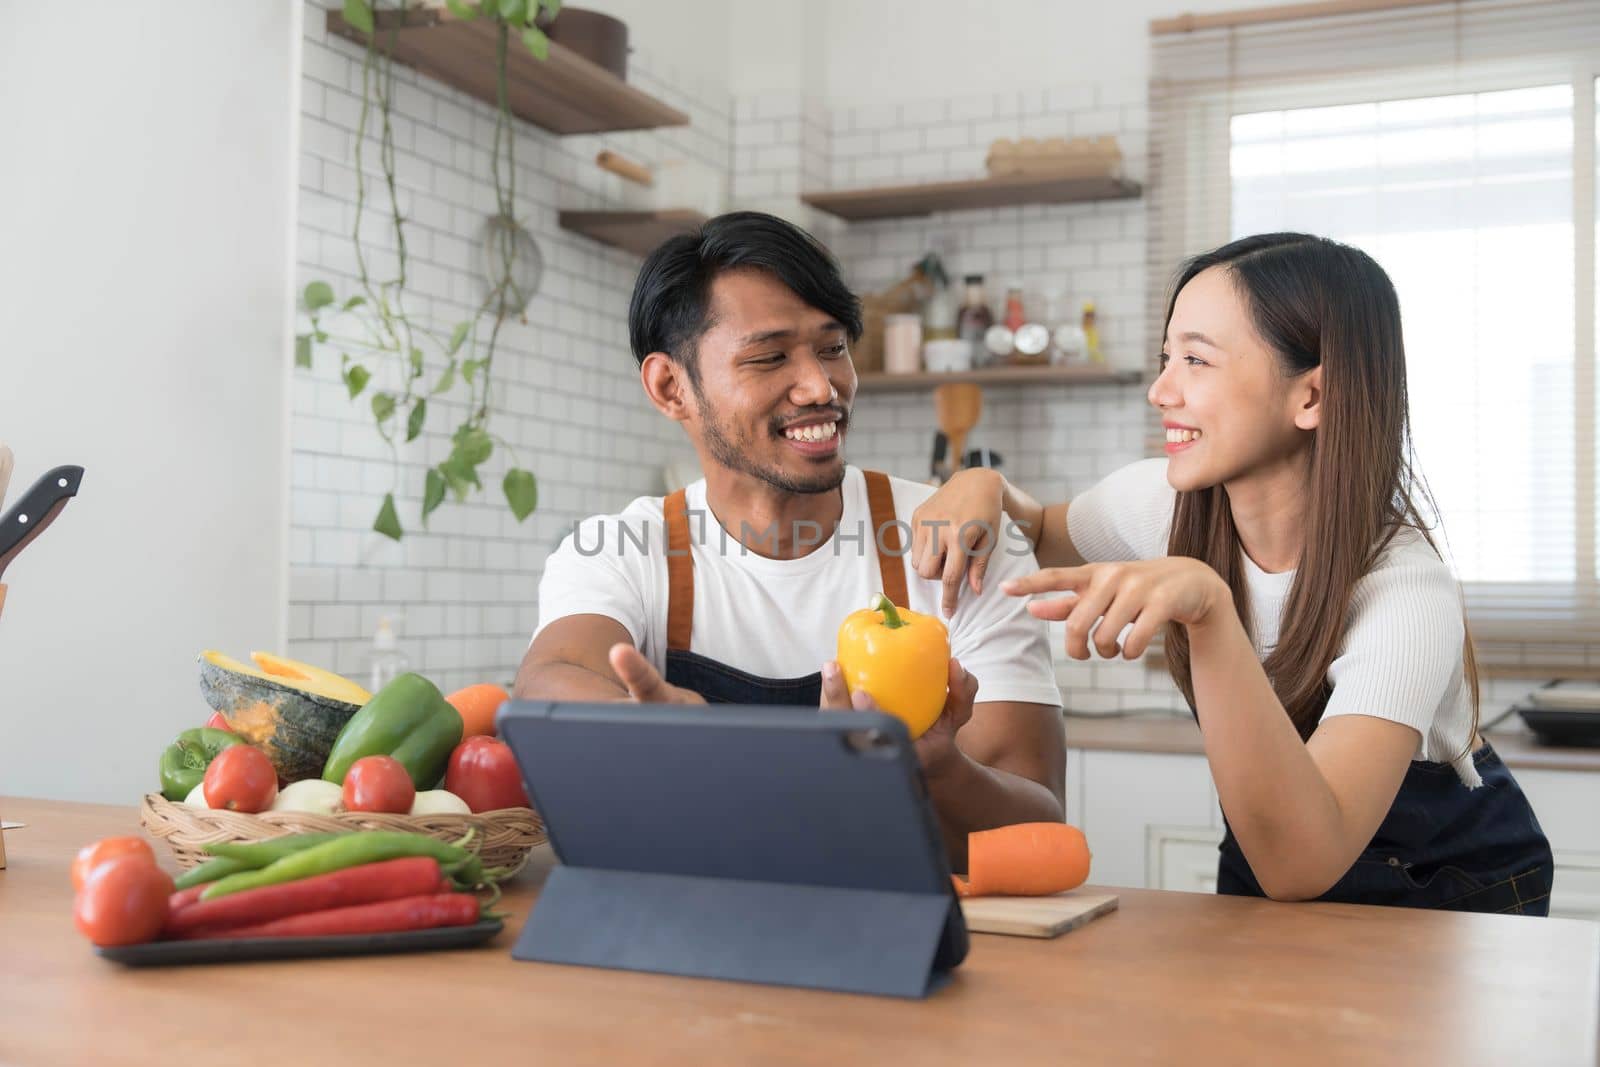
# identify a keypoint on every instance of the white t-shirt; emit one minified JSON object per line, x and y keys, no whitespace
{"x":1401,"y":655}
{"x":780,"y":618}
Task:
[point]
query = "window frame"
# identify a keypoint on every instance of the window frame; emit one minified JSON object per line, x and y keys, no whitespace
{"x":1512,"y":641}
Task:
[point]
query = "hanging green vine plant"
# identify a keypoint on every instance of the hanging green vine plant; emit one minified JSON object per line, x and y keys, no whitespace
{"x":384,"y":330}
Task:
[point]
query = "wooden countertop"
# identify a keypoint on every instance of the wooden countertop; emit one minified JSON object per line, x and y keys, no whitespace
{"x":1169,"y":977}
{"x":1179,"y":734}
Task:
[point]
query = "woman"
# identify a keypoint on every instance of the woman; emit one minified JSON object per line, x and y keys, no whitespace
{"x":1309,"y":618}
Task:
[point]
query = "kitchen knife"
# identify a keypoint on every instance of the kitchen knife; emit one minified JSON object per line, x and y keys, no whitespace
{"x":36,"y":509}
{"x":941,"y":444}
{"x":983,"y":457}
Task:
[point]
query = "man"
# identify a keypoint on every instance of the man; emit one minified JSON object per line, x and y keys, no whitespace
{"x":733,"y":589}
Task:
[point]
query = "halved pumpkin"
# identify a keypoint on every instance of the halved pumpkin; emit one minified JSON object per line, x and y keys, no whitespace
{"x":311,"y":679}
{"x":292,"y":711}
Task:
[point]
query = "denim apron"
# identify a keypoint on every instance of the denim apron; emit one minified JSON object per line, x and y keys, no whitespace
{"x":721,"y":683}
{"x":1442,"y":845}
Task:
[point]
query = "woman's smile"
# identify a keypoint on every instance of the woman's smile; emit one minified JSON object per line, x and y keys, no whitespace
{"x":1180,"y":438}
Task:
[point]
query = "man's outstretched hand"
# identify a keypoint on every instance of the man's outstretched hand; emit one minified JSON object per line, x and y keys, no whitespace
{"x":644,"y":682}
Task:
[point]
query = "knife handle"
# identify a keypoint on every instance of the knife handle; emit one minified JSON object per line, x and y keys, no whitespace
{"x":36,"y":509}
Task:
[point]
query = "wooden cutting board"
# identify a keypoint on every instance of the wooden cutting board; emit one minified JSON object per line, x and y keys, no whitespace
{"x":1035,"y":916}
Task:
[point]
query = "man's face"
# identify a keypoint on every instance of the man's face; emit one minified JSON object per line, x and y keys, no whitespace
{"x":775,"y":385}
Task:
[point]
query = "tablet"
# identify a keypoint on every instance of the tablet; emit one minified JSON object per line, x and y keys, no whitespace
{"x":811,"y":828}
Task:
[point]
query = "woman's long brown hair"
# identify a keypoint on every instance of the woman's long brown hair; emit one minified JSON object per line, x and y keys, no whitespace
{"x":1316,"y":302}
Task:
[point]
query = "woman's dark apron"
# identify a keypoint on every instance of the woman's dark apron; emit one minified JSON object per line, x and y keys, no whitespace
{"x":721,"y":683}
{"x":1442,"y":845}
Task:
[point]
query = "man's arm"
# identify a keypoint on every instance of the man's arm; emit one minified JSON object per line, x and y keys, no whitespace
{"x":591,"y":658}
{"x":568,"y":661}
{"x":1010,"y":766}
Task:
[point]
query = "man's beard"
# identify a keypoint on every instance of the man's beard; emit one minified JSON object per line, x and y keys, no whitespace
{"x":727,"y":452}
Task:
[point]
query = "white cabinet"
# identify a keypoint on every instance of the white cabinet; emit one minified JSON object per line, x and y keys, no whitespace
{"x":1576,"y":893}
{"x":1567,"y":804}
{"x":1183,"y":858}
{"x":1143,"y":811}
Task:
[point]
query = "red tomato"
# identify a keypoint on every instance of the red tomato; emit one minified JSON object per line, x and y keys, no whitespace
{"x":123,"y":902}
{"x":484,"y":773}
{"x":93,"y":855}
{"x":241,"y":778}
{"x":379,"y":783}
{"x":218,"y":722}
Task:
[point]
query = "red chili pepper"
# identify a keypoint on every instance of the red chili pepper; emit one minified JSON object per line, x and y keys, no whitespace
{"x":411,"y":913}
{"x":185,"y":898}
{"x":366,"y":884}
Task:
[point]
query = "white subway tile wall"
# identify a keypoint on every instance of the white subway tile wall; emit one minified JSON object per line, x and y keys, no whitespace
{"x":567,"y":400}
{"x":567,"y":397}
{"x":464,"y":589}
{"x":1055,"y":442}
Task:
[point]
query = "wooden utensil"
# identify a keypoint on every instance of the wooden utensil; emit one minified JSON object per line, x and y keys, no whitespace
{"x":4,"y":826}
{"x":7,"y":461}
{"x":1035,"y":916}
{"x":623,"y":167}
{"x":958,"y":406}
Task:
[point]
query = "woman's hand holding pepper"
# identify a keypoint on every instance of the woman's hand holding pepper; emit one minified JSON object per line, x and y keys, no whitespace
{"x":1106,"y":598}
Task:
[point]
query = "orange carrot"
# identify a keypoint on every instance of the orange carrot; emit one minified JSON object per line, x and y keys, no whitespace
{"x":1027,"y":859}
{"x":477,"y":705}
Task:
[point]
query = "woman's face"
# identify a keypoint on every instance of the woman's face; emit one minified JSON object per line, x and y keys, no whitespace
{"x":1228,"y":410}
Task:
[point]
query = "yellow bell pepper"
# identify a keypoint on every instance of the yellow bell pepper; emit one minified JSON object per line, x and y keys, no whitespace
{"x":901,"y":658}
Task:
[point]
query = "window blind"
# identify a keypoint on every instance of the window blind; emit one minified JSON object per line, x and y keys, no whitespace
{"x":1456,"y":144}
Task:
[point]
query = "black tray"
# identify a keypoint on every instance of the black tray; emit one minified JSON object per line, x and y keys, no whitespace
{"x":234,"y":950}
{"x":1560,"y":726}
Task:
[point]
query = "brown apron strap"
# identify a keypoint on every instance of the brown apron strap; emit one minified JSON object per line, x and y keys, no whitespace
{"x":887,"y":537}
{"x":680,"y":572}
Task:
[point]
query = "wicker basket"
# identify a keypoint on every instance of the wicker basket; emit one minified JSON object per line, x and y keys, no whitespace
{"x":505,"y":838}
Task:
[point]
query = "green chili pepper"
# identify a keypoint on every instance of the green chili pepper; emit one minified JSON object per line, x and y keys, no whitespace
{"x":257,"y":854}
{"x":209,"y":871}
{"x":351,"y":850}
{"x":233,"y":857}
{"x":184,"y":763}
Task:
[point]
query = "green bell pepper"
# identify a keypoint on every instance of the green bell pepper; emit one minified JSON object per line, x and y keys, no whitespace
{"x":408,"y":719}
{"x":184,"y":763}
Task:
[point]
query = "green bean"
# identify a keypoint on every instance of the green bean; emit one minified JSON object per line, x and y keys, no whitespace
{"x":256,"y":854}
{"x":348,"y":850}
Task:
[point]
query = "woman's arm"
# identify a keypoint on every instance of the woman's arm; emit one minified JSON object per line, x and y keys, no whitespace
{"x":955,"y":531}
{"x":1302,"y":811}
{"x":1052,"y":542}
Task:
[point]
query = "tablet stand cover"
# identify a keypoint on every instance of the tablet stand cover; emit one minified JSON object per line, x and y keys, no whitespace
{"x":784,"y":846}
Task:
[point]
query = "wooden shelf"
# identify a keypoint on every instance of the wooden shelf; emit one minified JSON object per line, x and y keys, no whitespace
{"x":632,"y":231}
{"x":903,"y":201}
{"x":1046,"y":374}
{"x":563,"y":94}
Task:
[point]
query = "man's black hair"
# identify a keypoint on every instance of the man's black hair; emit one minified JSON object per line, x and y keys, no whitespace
{"x":670,"y":309}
